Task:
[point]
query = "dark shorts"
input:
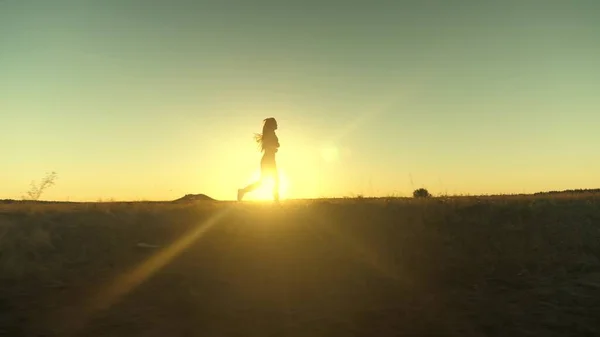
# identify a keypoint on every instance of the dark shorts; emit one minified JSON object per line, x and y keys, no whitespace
{"x":268,"y":166}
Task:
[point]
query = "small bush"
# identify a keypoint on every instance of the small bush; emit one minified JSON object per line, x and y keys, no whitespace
{"x":421,"y":193}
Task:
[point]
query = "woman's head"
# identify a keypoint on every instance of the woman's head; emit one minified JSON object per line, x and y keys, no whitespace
{"x":268,"y":131}
{"x":269,"y":124}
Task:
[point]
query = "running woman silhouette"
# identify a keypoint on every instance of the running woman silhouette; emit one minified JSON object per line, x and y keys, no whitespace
{"x":269,"y":145}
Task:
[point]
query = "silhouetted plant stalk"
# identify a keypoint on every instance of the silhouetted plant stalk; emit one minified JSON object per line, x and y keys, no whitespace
{"x":35,"y":191}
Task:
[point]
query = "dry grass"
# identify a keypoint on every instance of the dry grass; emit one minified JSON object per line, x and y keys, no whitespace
{"x":474,"y":266}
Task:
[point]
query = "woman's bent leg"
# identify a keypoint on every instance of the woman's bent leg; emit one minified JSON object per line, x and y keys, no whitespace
{"x":249,"y":188}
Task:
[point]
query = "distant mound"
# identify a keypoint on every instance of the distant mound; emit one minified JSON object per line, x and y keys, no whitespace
{"x":194,"y":197}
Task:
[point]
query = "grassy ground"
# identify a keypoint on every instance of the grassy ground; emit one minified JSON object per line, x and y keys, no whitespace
{"x":496,"y":266}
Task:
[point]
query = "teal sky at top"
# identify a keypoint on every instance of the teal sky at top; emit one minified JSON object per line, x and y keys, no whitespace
{"x":154,"y":99}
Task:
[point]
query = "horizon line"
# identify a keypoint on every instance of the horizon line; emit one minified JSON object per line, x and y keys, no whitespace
{"x":356,"y":196}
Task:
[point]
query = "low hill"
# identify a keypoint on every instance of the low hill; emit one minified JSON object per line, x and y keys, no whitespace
{"x":194,"y":197}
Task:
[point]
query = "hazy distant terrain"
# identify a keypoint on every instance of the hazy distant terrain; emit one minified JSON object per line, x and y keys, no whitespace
{"x":464,"y":266}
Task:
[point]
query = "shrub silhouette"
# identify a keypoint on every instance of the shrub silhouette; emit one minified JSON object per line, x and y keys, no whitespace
{"x":421,"y":193}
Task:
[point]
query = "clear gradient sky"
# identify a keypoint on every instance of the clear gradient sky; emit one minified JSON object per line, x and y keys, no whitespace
{"x":150,"y":100}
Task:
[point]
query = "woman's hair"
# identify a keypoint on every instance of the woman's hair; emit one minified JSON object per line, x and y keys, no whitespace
{"x":269,"y":125}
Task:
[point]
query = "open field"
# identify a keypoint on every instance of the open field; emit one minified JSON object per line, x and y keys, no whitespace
{"x":465,"y":266}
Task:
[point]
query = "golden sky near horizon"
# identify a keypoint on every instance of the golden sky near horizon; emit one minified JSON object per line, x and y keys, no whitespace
{"x":145,"y":100}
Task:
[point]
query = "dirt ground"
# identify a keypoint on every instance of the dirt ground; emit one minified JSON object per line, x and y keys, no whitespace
{"x":522,"y":266}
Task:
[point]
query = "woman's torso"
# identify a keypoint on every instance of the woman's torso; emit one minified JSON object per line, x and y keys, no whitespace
{"x":270,"y":144}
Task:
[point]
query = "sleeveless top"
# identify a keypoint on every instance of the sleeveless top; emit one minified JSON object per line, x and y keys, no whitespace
{"x":270,"y":144}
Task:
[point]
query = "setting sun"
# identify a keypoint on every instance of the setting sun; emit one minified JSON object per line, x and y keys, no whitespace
{"x":265,"y":192}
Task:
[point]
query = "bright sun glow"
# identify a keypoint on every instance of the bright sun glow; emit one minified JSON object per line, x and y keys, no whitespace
{"x":265,"y":192}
